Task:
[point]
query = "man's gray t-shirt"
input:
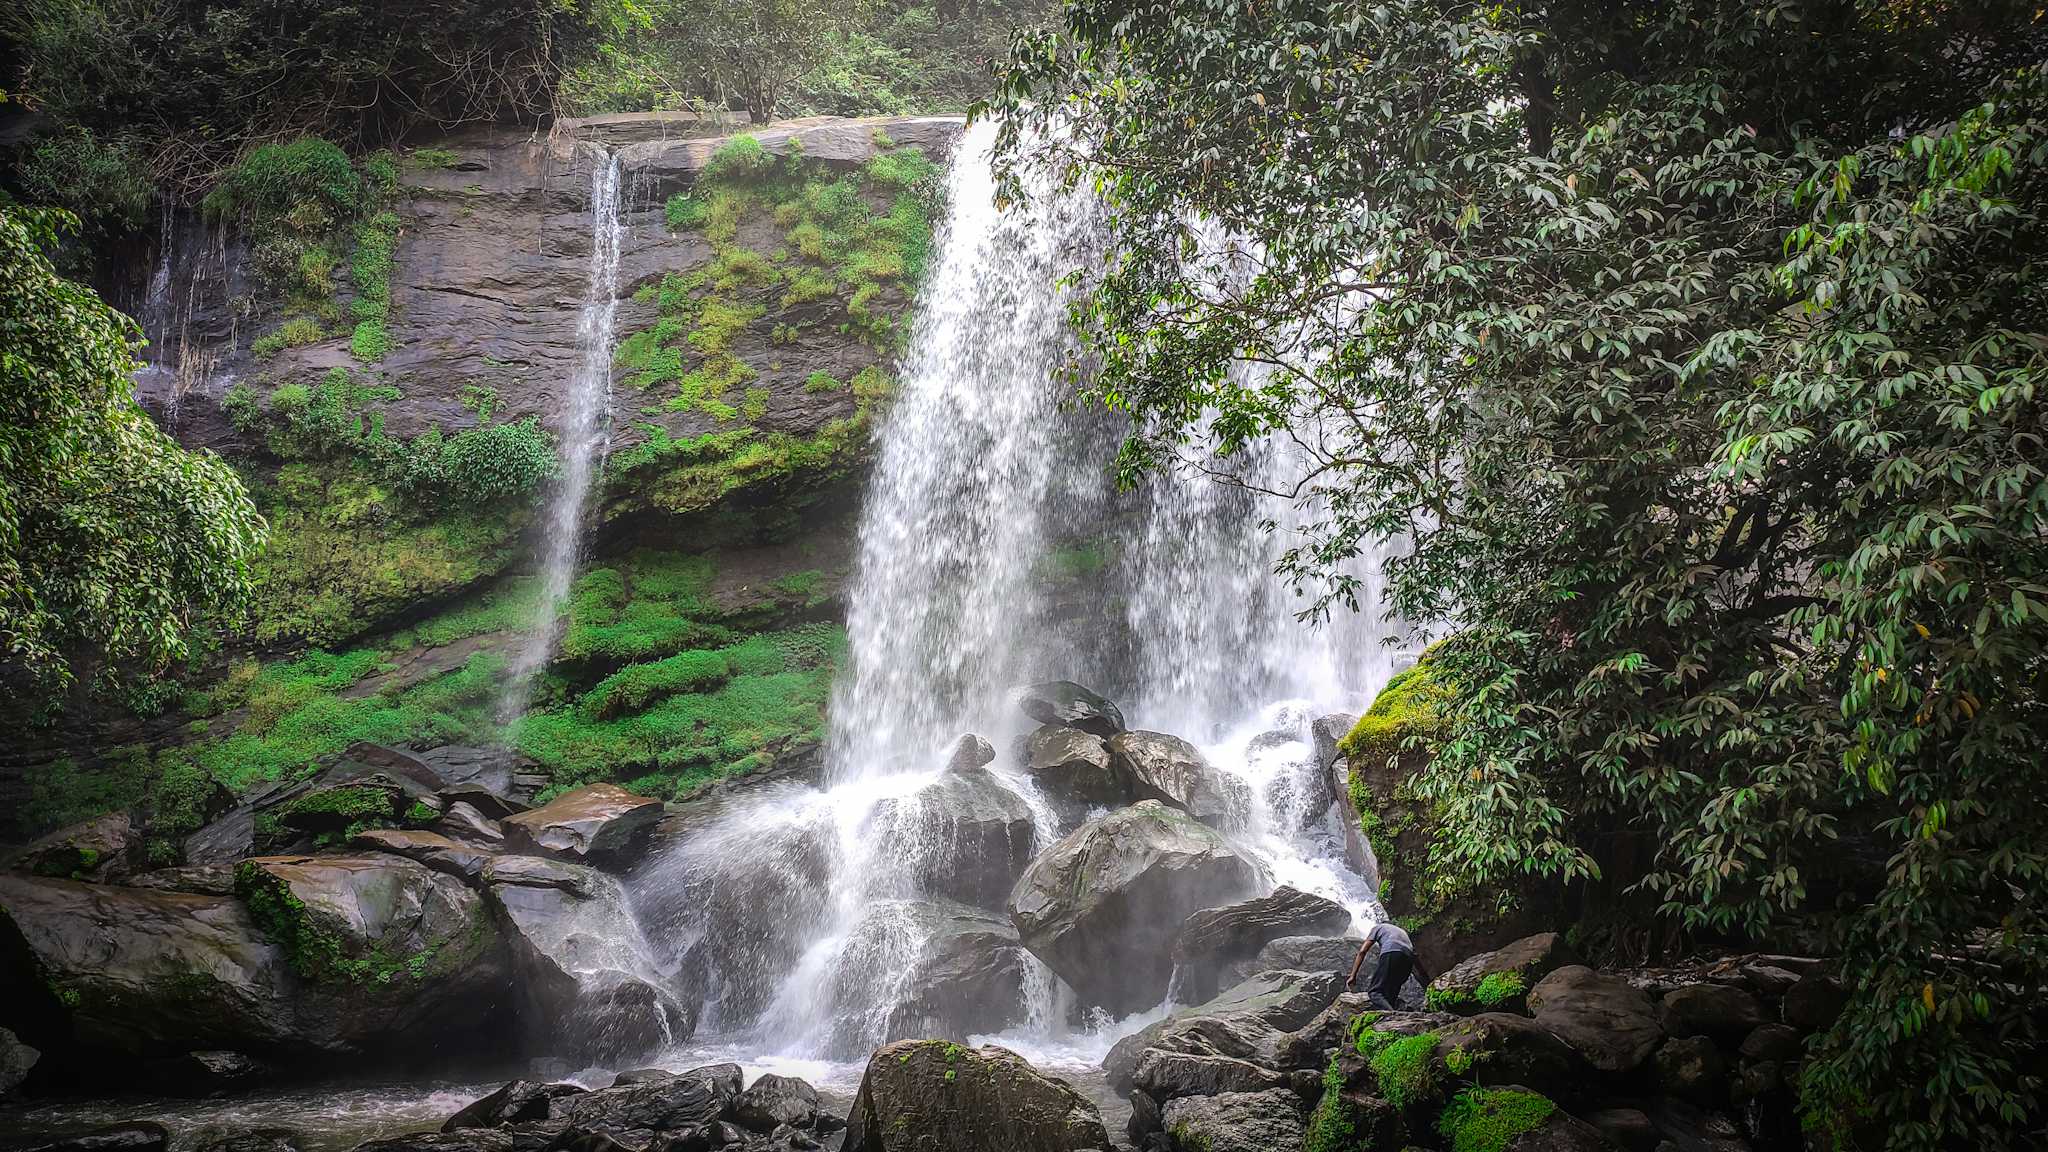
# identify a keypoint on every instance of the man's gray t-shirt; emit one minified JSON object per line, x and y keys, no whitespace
{"x":1390,"y":937}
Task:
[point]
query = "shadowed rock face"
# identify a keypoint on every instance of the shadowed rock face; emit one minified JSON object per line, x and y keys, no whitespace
{"x":929,"y":1094}
{"x":1213,"y":938}
{"x":1613,"y":1025}
{"x":1247,"y":1022}
{"x":1156,"y":766}
{"x":1101,"y":907}
{"x":590,"y":821}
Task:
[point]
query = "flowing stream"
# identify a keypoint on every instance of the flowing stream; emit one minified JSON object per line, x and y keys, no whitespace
{"x":994,"y":551}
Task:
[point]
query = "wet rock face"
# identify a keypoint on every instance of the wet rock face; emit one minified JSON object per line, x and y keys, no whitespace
{"x":964,"y":837}
{"x":1613,"y":1025}
{"x":968,"y":976}
{"x":1068,"y":705}
{"x":105,"y":848}
{"x":1248,"y":1022}
{"x":1102,"y":906}
{"x":1156,"y":766}
{"x":133,"y":1136}
{"x":1214,"y":938}
{"x":1295,"y":953}
{"x":17,"y":1060}
{"x":592,"y":821}
{"x":1235,"y":1122}
{"x":1500,"y":979}
{"x":929,"y":1094}
{"x":1072,"y":768}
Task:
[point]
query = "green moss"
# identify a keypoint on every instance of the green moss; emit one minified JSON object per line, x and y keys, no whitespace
{"x":320,"y":955}
{"x":296,"y":332}
{"x":1489,"y":1119}
{"x":370,"y":267}
{"x":1331,"y":1127}
{"x":432,"y":158}
{"x":1404,"y":711}
{"x":1498,"y":988}
{"x":1402,"y":1065}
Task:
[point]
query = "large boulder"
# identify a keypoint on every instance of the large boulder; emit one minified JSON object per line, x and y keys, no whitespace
{"x":512,"y":1102}
{"x":696,"y":1097}
{"x":1297,"y":953}
{"x":1247,"y":1022}
{"x":1102,"y":906}
{"x":1499,"y":981}
{"x":1268,"y":1121}
{"x":1156,"y":766}
{"x":1164,"y":1075}
{"x":1513,"y":1049}
{"x":588,"y":977}
{"x":772,"y":1101}
{"x":1069,"y":705}
{"x":104,"y":848}
{"x":385,"y":948}
{"x":1610,"y":1023}
{"x":964,"y":836}
{"x":128,"y":1136}
{"x":1691,"y":1068}
{"x":968,"y":978}
{"x":1720,"y":1011}
{"x":1073,"y":770}
{"x":927,"y":1095}
{"x":143,"y":971}
{"x":595,"y":820}
{"x":1213,"y":938}
{"x":1515,"y":1119}
{"x":1305,"y":1047}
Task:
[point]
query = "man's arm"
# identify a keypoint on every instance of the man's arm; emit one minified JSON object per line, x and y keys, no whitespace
{"x":1357,"y":962}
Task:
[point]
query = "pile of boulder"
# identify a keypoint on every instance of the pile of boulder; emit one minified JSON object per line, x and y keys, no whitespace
{"x":408,"y":905}
{"x":1524,"y":1042}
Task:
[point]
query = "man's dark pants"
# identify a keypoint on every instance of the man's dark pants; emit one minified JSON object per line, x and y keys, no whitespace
{"x":1387,"y":978}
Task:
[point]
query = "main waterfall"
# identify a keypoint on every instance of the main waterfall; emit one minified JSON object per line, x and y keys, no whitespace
{"x":815,"y":922}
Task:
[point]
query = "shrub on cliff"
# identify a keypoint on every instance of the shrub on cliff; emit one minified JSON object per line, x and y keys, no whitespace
{"x":115,"y":543}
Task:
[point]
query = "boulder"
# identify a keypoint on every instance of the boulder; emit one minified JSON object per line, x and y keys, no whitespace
{"x":129,"y":1136}
{"x":970,"y":751}
{"x":1069,"y":705}
{"x":1325,"y":733}
{"x":1686,"y":1127}
{"x":1156,"y":766}
{"x":1772,"y":1042}
{"x":1514,"y":1119}
{"x":101,"y":849}
{"x":697,"y":1097}
{"x":1073,"y":770}
{"x":1165,"y":1075}
{"x":1246,"y":1022}
{"x":202,"y":879}
{"x":432,"y":849}
{"x":385,"y":948}
{"x":17,"y":1060}
{"x":510,"y":1103}
{"x":464,"y":822}
{"x":1720,"y":1011}
{"x":1213,"y":938}
{"x":1691,"y":1068}
{"x":595,"y":820}
{"x":1145,"y":1118}
{"x":465,"y":1140}
{"x":209,"y":1073}
{"x":1305,"y":1047}
{"x":964,"y":836}
{"x":776,"y":1100}
{"x":1812,"y":1003}
{"x":147,"y":972}
{"x":929,"y":1094}
{"x":1295,"y":953}
{"x":1499,"y":980}
{"x":1613,"y":1025}
{"x":967,"y":979}
{"x":489,"y":781}
{"x":587,"y":976}
{"x":1102,"y":906}
{"x":1513,"y":1049}
{"x":1268,"y":1121}
{"x":257,"y":1140}
{"x":1625,"y":1128}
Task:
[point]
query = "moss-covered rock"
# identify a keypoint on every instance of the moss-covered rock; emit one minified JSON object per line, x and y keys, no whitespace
{"x":1492,"y":1119}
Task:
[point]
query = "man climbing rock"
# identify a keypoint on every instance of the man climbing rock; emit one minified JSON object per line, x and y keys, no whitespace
{"x":1397,"y":960}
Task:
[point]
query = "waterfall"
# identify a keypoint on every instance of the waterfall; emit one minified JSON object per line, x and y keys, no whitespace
{"x":995,"y":551}
{"x":583,"y":433}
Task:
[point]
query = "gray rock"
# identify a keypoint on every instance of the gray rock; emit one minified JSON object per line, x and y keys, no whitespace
{"x":1145,"y":1118}
{"x":696,"y":1097}
{"x":201,"y":879}
{"x":151,"y":972}
{"x":101,"y":849}
{"x":1213,"y":938}
{"x":1326,"y":732}
{"x":1073,"y":770}
{"x":670,"y":163}
{"x":775,"y":1100}
{"x":432,"y":849}
{"x":964,"y":836}
{"x":1247,"y":1022}
{"x":1514,"y":1049}
{"x":1500,"y":980}
{"x":1069,"y":705}
{"x":1721,"y":1011}
{"x":1267,"y":1121}
{"x":1166,"y":1075}
{"x":207,"y":1073}
{"x":486,"y":780}
{"x":465,"y":1140}
{"x":1689,"y":1128}
{"x":130,"y":1136}
{"x":970,"y":751}
{"x":928,"y":1094}
{"x":1304,"y":1048}
{"x":17,"y":1060}
{"x":1560,"y":1132}
{"x":1102,"y":906}
{"x":465,"y":822}
{"x":1625,"y":1128}
{"x":594,"y":820}
{"x":258,"y":1140}
{"x":510,"y":1103}
{"x":1772,"y":1042}
{"x":1690,"y":1068}
{"x":1156,"y":766}
{"x":1812,"y":1003}
{"x":969,"y":978}
{"x":1295,"y":953}
{"x":640,"y":1076}
{"x":1613,"y":1025}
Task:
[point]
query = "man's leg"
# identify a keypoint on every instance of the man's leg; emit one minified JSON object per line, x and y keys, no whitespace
{"x":1387,"y":978}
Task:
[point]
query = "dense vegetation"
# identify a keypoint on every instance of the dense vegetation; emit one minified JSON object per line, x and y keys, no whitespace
{"x":1694,"y":347}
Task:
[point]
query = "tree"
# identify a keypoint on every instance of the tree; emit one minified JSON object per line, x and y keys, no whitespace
{"x":758,"y":48}
{"x":1695,"y":345}
{"x":116,"y":544}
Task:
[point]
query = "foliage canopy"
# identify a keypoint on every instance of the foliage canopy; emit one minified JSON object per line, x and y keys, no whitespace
{"x":1695,"y":347}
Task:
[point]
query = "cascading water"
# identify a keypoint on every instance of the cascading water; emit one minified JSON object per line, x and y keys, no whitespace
{"x":811,"y":916}
{"x":582,"y":435}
